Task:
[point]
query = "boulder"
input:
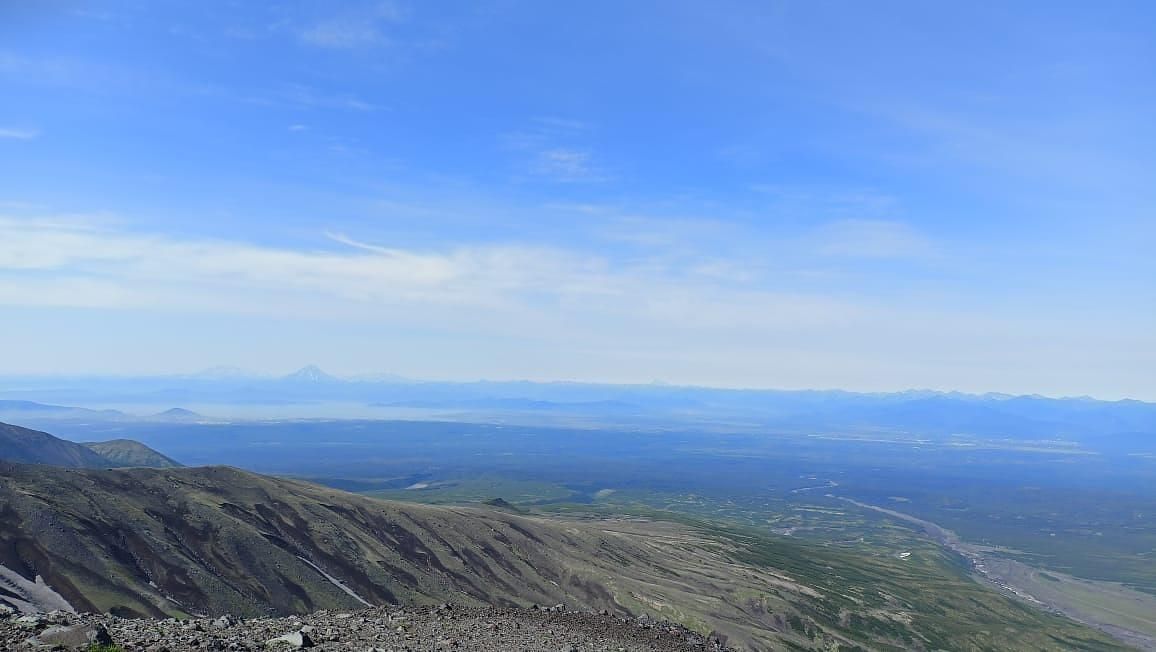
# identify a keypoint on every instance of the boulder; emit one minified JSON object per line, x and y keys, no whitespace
{"x":32,"y":621}
{"x":72,"y":637}
{"x":295,"y":640}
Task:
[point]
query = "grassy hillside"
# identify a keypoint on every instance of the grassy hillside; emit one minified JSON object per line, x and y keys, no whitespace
{"x":923,"y":601}
{"x":215,"y":540}
{"x":126,"y":453}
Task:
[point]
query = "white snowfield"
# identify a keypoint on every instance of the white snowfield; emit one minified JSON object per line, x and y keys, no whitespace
{"x":30,"y":597}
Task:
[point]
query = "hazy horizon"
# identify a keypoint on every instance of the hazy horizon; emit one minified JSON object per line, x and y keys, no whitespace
{"x":735,"y":325}
{"x":226,"y":372}
{"x":792,"y":195}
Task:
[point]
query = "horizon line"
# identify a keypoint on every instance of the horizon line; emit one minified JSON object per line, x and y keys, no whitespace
{"x":380,"y":376}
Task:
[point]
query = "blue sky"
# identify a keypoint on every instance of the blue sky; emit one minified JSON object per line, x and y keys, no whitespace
{"x":873,"y":196}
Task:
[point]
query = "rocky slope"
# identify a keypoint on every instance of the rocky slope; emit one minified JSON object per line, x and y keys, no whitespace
{"x":438,"y":629}
{"x":216,"y":540}
{"x":27,"y":446}
{"x":213,"y":541}
{"x":35,"y":447}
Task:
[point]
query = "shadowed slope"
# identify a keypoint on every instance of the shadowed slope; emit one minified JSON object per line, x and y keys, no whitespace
{"x":35,"y":447}
{"x":27,"y":446}
{"x":218,"y":540}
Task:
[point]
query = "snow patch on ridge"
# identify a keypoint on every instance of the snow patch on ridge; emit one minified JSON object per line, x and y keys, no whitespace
{"x":30,"y":597}
{"x":336,"y":582}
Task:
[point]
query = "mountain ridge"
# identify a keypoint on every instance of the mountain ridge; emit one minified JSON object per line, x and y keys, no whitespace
{"x":131,"y":453}
{"x":28,"y":446}
{"x":222,"y":541}
{"x":916,"y":412}
{"x":218,"y":540}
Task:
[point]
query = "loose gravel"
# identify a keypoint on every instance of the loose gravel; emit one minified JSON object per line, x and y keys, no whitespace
{"x":378,"y":629}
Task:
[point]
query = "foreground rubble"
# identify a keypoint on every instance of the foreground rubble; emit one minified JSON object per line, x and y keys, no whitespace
{"x":380,"y":629}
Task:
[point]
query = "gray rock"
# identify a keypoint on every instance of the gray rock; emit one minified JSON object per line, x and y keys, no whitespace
{"x":31,"y":621}
{"x":224,"y":622}
{"x":426,"y":629}
{"x":73,"y":637}
{"x":296,"y":640}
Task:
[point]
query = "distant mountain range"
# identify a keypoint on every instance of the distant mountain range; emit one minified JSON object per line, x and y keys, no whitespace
{"x":177,"y":414}
{"x":27,"y":446}
{"x":55,"y":411}
{"x":309,"y":374}
{"x":33,"y":411}
{"x":917,"y":412}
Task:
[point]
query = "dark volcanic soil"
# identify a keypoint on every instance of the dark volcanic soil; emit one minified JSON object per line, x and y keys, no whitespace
{"x":381,"y":629}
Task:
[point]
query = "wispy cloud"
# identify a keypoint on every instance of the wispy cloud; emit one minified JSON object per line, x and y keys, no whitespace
{"x":358,"y":28}
{"x":873,"y":239}
{"x":703,"y":319}
{"x":74,"y":250}
{"x":567,"y":124}
{"x":310,"y":97}
{"x":44,"y":70}
{"x":1079,"y":150}
{"x":566,"y":165}
{"x":557,"y":149}
{"x":673,"y":234}
{"x":839,"y":239}
{"x":826,"y":199}
{"x":10,"y":133}
{"x":46,"y":260}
